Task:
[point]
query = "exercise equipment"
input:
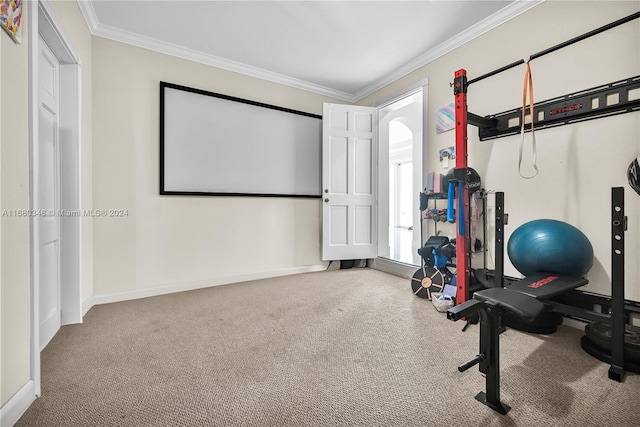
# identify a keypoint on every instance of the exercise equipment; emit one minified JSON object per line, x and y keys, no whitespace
{"x":467,"y":181}
{"x":598,"y":342}
{"x":633,"y":174}
{"x":558,"y":111}
{"x":522,"y":300}
{"x":491,"y":304}
{"x":545,"y":323}
{"x":604,"y":355}
{"x":471,"y":178}
{"x":528,"y":298}
{"x":434,"y":274}
{"x":427,"y":280}
{"x":550,"y":245}
{"x":527,"y":90}
{"x":600,"y":335}
{"x":436,"y":214}
{"x":430,"y":249}
{"x":456,"y":185}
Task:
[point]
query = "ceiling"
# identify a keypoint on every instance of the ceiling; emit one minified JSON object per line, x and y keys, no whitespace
{"x":343,"y":49}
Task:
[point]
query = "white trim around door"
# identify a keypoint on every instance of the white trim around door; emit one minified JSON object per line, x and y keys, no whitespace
{"x":43,"y":23}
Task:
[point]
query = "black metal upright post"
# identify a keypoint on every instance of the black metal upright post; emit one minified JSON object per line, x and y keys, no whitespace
{"x":618,"y":228}
{"x":485,"y":246}
{"x":499,"y":243}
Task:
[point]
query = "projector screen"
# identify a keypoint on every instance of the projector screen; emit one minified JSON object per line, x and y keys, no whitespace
{"x":213,"y":144}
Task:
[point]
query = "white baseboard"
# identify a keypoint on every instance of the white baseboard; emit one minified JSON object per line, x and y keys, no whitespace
{"x":574,"y":323}
{"x":395,"y":268}
{"x":190,"y":286}
{"x":11,"y":412}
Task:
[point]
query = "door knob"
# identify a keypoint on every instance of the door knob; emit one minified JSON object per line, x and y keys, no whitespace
{"x":326,"y":200}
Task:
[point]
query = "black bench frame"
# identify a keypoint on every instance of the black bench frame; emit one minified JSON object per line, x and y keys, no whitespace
{"x":492,"y":303}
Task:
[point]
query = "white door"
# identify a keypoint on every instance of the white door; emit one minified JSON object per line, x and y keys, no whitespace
{"x":349,"y":165}
{"x":47,"y":196}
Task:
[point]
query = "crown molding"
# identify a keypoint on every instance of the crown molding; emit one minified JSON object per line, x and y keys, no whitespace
{"x":108,"y":32}
{"x":149,"y":43}
{"x":89,"y":14}
{"x":514,"y":9}
{"x":215,"y":61}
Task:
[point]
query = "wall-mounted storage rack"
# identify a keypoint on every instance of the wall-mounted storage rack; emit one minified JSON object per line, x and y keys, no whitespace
{"x":619,"y":97}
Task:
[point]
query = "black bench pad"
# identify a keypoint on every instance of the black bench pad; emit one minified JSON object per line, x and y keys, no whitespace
{"x":547,"y":285}
{"x":516,"y":303}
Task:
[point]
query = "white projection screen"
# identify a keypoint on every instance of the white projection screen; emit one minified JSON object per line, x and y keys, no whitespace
{"x":212,"y":144}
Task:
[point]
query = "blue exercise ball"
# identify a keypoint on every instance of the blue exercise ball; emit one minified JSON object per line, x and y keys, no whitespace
{"x":552,"y":246}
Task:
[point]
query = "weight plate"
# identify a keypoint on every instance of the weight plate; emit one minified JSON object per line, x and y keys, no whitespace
{"x":546,"y":323}
{"x":427,"y":280}
{"x":600,"y":335}
{"x":605,"y":356}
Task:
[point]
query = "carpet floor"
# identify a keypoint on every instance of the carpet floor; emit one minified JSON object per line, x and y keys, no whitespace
{"x":336,"y":348}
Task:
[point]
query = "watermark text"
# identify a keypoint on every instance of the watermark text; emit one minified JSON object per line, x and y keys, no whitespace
{"x":66,"y":213}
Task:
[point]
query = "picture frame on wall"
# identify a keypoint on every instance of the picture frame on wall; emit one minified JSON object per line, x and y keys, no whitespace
{"x":445,"y":117}
{"x":11,"y":18}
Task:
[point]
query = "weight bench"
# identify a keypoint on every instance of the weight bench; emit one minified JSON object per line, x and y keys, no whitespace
{"x":525,"y":299}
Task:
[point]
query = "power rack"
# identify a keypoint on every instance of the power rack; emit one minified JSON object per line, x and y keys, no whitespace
{"x":602,"y":101}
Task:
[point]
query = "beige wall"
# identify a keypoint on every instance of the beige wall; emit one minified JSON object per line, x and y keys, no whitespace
{"x":175,"y":240}
{"x":578,"y":163}
{"x":14,"y":191}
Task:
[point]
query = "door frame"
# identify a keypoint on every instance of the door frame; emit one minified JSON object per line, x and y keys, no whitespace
{"x":42,"y":22}
{"x":388,"y":265}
